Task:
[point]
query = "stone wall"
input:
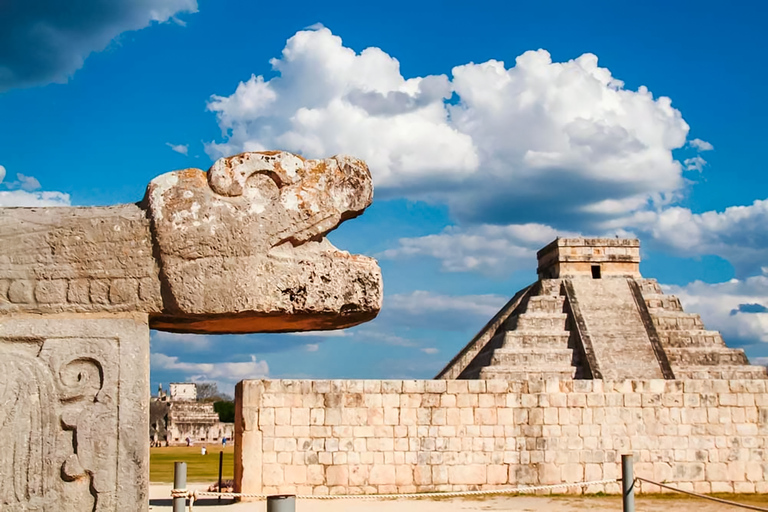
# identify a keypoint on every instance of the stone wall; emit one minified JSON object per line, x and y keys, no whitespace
{"x":320,"y":437}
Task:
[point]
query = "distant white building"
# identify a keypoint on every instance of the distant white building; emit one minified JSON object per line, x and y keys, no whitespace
{"x":178,"y":415}
{"x":183,"y":391}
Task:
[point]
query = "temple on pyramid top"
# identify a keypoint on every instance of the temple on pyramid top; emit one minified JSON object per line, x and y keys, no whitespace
{"x":591,"y":257}
{"x":592,"y":315}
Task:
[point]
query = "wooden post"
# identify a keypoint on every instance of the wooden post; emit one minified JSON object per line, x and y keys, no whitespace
{"x":221,"y":463}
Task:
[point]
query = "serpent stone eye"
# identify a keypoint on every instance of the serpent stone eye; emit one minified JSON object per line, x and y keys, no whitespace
{"x":263,"y":187}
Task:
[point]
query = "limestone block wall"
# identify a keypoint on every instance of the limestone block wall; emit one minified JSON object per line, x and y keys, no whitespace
{"x":355,"y":436}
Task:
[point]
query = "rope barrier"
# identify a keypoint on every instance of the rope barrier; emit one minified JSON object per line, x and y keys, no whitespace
{"x":193,"y":495}
{"x":456,"y":494}
{"x":704,"y":496}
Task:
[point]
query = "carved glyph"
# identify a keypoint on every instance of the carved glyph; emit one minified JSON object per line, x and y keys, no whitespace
{"x":60,"y":398}
{"x":27,"y":423}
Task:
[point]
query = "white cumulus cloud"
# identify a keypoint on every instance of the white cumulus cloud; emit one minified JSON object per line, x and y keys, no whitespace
{"x":383,"y":338}
{"x":179,"y":148}
{"x":329,"y":100}
{"x":487,"y":249}
{"x":338,"y":333}
{"x":694,"y":164}
{"x":491,"y":141}
{"x":429,"y":310}
{"x":425,"y":302}
{"x":225,"y":373}
{"x":23,"y":198}
{"x":23,"y":192}
{"x":701,"y":145}
{"x":162,"y":340}
{"x":737,"y":234}
{"x":28,"y":183}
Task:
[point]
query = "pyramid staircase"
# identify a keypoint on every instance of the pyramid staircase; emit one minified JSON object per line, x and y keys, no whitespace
{"x":533,"y":342}
{"x":693,"y":351}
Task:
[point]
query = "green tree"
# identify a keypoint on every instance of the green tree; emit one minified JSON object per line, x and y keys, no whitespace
{"x":209,"y":392}
{"x":226,"y":410}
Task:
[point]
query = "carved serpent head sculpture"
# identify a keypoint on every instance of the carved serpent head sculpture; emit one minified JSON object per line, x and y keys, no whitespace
{"x":240,"y":248}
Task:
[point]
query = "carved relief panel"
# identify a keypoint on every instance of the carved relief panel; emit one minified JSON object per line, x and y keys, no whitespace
{"x":73,"y":414}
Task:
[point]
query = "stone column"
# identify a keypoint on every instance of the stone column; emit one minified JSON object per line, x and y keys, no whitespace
{"x":248,"y":437}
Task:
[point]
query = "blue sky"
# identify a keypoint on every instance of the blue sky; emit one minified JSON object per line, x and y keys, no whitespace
{"x":489,"y":127}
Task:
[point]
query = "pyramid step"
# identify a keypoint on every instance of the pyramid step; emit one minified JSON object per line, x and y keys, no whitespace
{"x":545,"y":304}
{"x":541,"y":322}
{"x":556,"y":359}
{"x":502,"y":373}
{"x":535,"y":339}
{"x":673,"y":320}
{"x":706,"y":356}
{"x":650,"y":287}
{"x":661,"y":301}
{"x":690,"y":338}
{"x":550,"y":287}
{"x":721,"y":372}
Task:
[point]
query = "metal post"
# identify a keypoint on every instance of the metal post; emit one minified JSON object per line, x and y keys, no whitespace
{"x":281,"y":503}
{"x":179,"y":482}
{"x":221,"y":463}
{"x":627,"y":484}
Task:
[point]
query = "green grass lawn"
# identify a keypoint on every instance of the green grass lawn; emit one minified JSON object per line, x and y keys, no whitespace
{"x":200,"y":468}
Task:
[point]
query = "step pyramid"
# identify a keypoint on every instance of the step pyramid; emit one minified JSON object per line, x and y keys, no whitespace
{"x":591,"y":315}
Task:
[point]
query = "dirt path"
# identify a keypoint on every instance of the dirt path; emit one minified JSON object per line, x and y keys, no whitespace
{"x":159,"y":502}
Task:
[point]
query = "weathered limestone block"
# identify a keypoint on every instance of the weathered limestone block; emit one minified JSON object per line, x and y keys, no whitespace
{"x":74,"y":416}
{"x":238,"y":249}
